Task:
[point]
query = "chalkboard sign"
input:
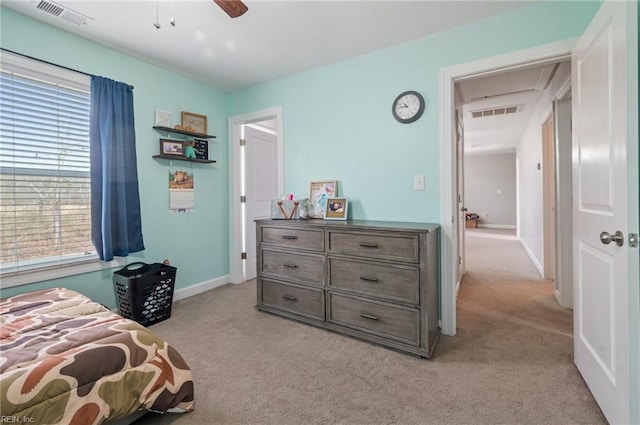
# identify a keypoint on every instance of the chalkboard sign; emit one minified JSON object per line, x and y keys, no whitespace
{"x":202,"y":148}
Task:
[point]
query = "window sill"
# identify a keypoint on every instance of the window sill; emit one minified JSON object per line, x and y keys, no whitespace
{"x":28,"y":277}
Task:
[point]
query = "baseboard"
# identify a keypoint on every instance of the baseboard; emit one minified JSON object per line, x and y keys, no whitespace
{"x":199,"y":288}
{"x":532,"y":257}
{"x":497,"y":226}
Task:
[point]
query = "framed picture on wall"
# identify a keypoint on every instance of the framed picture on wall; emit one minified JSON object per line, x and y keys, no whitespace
{"x":319,"y":192}
{"x":337,"y":209}
{"x":194,"y":123}
{"x":171,"y":147}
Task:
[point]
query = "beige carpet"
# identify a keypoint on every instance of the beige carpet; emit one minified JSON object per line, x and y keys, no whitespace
{"x":510,"y":363}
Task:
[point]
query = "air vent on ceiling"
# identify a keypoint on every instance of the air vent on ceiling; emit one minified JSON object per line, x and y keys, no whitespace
{"x":491,"y":112}
{"x":61,"y":12}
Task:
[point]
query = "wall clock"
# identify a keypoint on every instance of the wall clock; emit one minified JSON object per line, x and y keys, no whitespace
{"x":408,"y":107}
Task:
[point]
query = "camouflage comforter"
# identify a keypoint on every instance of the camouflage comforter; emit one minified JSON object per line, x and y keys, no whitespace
{"x":65,"y":359}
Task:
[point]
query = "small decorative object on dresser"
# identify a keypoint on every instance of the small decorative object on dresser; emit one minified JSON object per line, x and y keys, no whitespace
{"x":373,"y":280}
{"x":337,"y":209}
{"x":319,"y":192}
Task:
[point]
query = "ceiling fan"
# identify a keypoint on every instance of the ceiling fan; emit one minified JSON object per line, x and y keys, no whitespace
{"x":233,"y":8}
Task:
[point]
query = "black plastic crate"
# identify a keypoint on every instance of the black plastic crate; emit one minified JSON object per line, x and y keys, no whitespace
{"x":144,"y":292}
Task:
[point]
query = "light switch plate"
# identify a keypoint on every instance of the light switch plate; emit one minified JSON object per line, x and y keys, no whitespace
{"x":418,"y":182}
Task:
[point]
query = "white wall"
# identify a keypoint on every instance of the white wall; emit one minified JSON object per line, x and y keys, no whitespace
{"x":529,"y":155}
{"x":490,"y":188}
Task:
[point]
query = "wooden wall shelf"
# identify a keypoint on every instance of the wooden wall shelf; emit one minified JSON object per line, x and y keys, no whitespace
{"x":181,"y":158}
{"x":185,"y":133}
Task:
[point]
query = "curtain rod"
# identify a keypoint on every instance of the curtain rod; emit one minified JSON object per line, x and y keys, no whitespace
{"x":51,"y":63}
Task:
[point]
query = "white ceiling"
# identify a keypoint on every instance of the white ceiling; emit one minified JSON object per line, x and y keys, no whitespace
{"x":273,"y":39}
{"x":500,"y":133}
{"x":276,"y":39}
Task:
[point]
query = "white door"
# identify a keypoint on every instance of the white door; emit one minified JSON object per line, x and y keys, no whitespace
{"x":601,"y":273}
{"x":261,"y":177}
{"x":461,"y":208}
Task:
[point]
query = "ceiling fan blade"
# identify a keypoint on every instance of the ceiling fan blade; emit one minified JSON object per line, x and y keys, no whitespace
{"x":234,"y":8}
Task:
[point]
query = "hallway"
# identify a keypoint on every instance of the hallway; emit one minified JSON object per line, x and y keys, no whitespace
{"x":507,"y":315}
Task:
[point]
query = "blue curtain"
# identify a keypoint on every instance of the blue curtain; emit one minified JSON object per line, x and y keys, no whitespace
{"x":116,"y":224}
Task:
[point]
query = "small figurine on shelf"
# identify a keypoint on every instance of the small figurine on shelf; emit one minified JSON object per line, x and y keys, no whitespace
{"x":189,"y":149}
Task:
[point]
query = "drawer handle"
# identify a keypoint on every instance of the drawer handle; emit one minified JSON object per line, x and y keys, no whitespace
{"x":290,"y":238}
{"x":291,"y":266}
{"x":289,"y":298}
{"x":368,"y":245}
{"x":369,"y":316}
{"x":369,"y":279}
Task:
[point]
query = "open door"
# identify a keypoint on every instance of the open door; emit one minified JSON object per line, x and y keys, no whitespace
{"x":460,"y":195}
{"x":261,"y":178}
{"x":600,"y":191}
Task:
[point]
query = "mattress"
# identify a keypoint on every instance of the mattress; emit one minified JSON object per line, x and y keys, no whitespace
{"x":65,"y":359}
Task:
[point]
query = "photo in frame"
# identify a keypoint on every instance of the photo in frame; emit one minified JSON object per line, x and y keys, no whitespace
{"x":194,"y":123}
{"x":202,"y":148}
{"x":337,"y":209}
{"x":171,"y":147}
{"x":319,"y":192}
{"x":163,"y":118}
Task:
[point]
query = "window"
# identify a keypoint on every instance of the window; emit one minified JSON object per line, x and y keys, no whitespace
{"x":45,"y":200}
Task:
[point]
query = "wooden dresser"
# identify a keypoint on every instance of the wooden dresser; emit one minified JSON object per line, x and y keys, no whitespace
{"x":373,"y":280}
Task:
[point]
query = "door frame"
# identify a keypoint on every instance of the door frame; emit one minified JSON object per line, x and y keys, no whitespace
{"x":563,"y":284}
{"x":237,"y":231}
{"x":541,"y":55}
{"x":549,"y":224}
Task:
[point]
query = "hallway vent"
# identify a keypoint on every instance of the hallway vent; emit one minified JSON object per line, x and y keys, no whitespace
{"x":61,"y":12}
{"x":492,"y":112}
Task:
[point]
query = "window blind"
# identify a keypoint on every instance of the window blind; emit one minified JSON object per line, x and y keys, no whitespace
{"x":45,"y":200}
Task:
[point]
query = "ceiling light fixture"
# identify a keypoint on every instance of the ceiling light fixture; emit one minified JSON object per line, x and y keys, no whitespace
{"x":172,"y":21}
{"x":157,"y":22}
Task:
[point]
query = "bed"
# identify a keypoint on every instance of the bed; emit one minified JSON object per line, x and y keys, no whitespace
{"x":65,"y":359}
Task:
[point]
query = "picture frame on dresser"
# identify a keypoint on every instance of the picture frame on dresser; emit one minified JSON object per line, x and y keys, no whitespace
{"x":336,"y":209}
{"x":319,"y":192}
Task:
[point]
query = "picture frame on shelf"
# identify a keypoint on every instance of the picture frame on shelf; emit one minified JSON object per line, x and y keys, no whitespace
{"x":202,"y":149}
{"x":195,"y":123}
{"x":172,"y":147}
{"x":337,"y":209}
{"x":319,"y":192}
{"x":163,"y":118}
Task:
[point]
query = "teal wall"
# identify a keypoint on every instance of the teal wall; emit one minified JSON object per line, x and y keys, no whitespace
{"x":338,"y":123}
{"x":197,"y":243}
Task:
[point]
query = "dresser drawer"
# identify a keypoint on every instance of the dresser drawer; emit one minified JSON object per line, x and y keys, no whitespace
{"x":374,"y":245}
{"x":312,"y":239}
{"x":295,"y":299}
{"x":308,"y":268}
{"x":375,"y":279}
{"x":381,"y":319}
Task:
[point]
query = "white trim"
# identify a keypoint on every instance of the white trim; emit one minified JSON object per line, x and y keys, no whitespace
{"x":547,"y":53}
{"x":535,"y":262}
{"x":60,"y":272}
{"x":497,"y":226}
{"x":236,"y":266}
{"x":42,"y":71}
{"x":199,"y":288}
